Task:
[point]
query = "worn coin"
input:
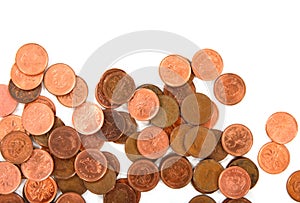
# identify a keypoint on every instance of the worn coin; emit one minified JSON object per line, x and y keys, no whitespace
{"x":131,"y":149}
{"x":11,"y":198}
{"x":73,"y":184}
{"x":152,"y":87}
{"x":240,"y":200}
{"x":202,"y":199}
{"x":44,"y":100}
{"x":94,"y":141}
{"x":122,"y":193}
{"x":70,"y":197}
{"x":177,"y":139}
{"x":292,"y":186}
{"x":214,"y":117}
{"x":137,"y":193}
{"x":180,"y":93}
{"x":9,"y":124}
{"x":130,"y":127}
{"x":10,"y":178}
{"x":218,"y":153}
{"x":8,"y":103}
{"x":113,"y":162}
{"x":23,"y":96}
{"x":63,"y":168}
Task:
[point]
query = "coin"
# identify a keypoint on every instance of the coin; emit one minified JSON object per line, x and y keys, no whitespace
{"x":137,"y":193}
{"x":122,"y":193}
{"x":32,"y":59}
{"x":73,"y":184}
{"x":113,"y":162}
{"x":93,"y":141}
{"x":9,"y":124}
{"x":180,"y":93}
{"x":175,"y":70}
{"x":177,"y":139}
{"x":131,"y":149}
{"x":281,"y":127}
{"x":240,"y":200}
{"x":44,"y":100}
{"x":143,"y":175}
{"x":70,"y":197}
{"x":202,"y":199}
{"x":152,"y":87}
{"x":8,"y":103}
{"x":218,"y":153}
{"x":63,"y":168}
{"x":10,"y":178}
{"x":130,"y":127}
{"x":23,"y":96}
{"x":292,"y":186}
{"x":234,"y":182}
{"x":229,"y":89}
{"x":11,"y":198}
{"x":273,"y":158}
{"x":214,"y":117}
{"x":176,"y":171}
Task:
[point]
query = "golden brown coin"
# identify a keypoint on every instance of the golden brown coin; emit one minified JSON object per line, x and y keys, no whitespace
{"x":130,"y":127}
{"x":70,"y":197}
{"x":180,"y":93}
{"x":152,"y":87}
{"x":8,"y":103}
{"x":122,"y":193}
{"x":292,"y":186}
{"x":137,"y":193}
{"x":177,"y":139}
{"x":214,"y":117}
{"x":202,"y":199}
{"x":113,"y":162}
{"x":219,"y":153}
{"x":63,"y":168}
{"x":44,"y":100}
{"x":11,"y":198}
{"x":131,"y":149}
{"x":24,"y":96}
{"x":10,"y":177}
{"x":73,"y":184}
{"x":9,"y":124}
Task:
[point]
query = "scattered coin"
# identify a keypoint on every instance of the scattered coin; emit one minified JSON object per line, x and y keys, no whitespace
{"x":292,"y":186}
{"x":8,"y":103}
{"x":10,"y":178}
{"x":24,"y":96}
{"x":131,"y":149}
{"x":44,"y":100}
{"x":73,"y":184}
{"x":202,"y":199}
{"x":11,"y":198}
{"x":130,"y":127}
{"x":93,"y":141}
{"x":63,"y":168}
{"x":9,"y":124}
{"x":240,"y":200}
{"x":70,"y":197}
{"x":122,"y":193}
{"x":152,"y":87}
{"x":137,"y":193}
{"x":180,"y":93}
{"x":177,"y":138}
{"x":214,"y":117}
{"x":113,"y":162}
{"x":219,"y":153}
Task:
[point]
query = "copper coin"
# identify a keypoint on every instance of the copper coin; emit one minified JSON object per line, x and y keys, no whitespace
{"x":177,"y":139}
{"x":144,"y":104}
{"x":143,"y":175}
{"x":130,"y":127}
{"x":112,"y":161}
{"x":90,"y":165}
{"x":11,"y":198}
{"x":152,"y":87}
{"x":23,"y":96}
{"x":44,"y":100}
{"x":292,"y":186}
{"x":273,"y":158}
{"x":281,"y":127}
{"x":206,"y":175}
{"x":10,"y":177}
{"x":207,"y":64}
{"x":249,"y":166}
{"x":137,"y":193}
{"x":218,"y":153}
{"x":37,"y":118}
{"x":9,"y":124}
{"x":234,"y":182}
{"x":63,"y":168}
{"x":176,"y":171}
{"x":16,"y":147}
{"x":32,"y":59}
{"x":59,"y":79}
{"x":229,"y":89}
{"x":196,"y":108}
{"x":240,"y":200}
{"x":40,"y":191}
{"x":77,"y":96}
{"x":39,"y":166}
{"x":73,"y":184}
{"x":214,"y":117}
{"x":237,"y":140}
{"x":180,"y":93}
{"x":200,"y":142}
{"x":131,"y":149}
{"x":88,"y":118}
{"x":94,"y":141}
{"x":8,"y":103}
{"x":70,"y":197}
{"x":153,"y":142}
{"x":175,"y":70}
{"x":122,"y":193}
{"x":23,"y":81}
{"x":202,"y":199}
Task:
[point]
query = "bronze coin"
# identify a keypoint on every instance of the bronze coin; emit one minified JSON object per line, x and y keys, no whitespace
{"x":73,"y":184}
{"x":202,"y":199}
{"x":9,"y":124}
{"x":229,"y":89}
{"x":168,"y":112}
{"x":143,"y":175}
{"x":70,"y":197}
{"x":196,"y":108}
{"x":137,"y":193}
{"x":122,"y":193}
{"x":103,"y":185}
{"x":130,"y":127}
{"x":94,"y":141}
{"x":200,"y":142}
{"x":40,"y":191}
{"x":152,"y":87}
{"x":176,"y":171}
{"x":237,"y":140}
{"x":16,"y":147}
{"x":131,"y":149}
{"x":153,"y":142}
{"x":219,"y":153}
{"x":23,"y":96}
{"x":11,"y":198}
{"x":292,"y":186}
{"x":113,"y":162}
{"x":64,"y":142}
{"x":177,"y":139}
{"x":240,"y":200}
{"x":249,"y":166}
{"x":63,"y":168}
{"x":206,"y":175}
{"x":90,"y":165}
{"x":8,"y":103}
{"x":214,"y":117}
{"x":44,"y":100}
{"x":39,"y":166}
{"x":10,"y":178}
{"x":180,"y":93}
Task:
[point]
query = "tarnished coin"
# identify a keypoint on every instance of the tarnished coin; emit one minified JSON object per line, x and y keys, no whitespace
{"x":11,"y":198}
{"x":113,"y":162}
{"x":137,"y":193}
{"x":152,"y":87}
{"x":9,"y":124}
{"x":180,"y":93}
{"x":177,"y":139}
{"x":292,"y":186}
{"x":8,"y":103}
{"x":23,"y":96}
{"x":130,"y":127}
{"x":202,"y":199}
{"x":240,"y":200}
{"x":131,"y":149}
{"x":122,"y":193}
{"x":214,"y":117}
{"x":73,"y":184}
{"x":94,"y":141}
{"x":70,"y":197}
{"x":63,"y":168}
{"x":10,"y":178}
{"x":219,"y":153}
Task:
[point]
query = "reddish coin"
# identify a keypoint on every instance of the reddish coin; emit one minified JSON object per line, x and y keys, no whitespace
{"x":70,"y":197}
{"x":10,"y":177}
{"x":125,"y":181}
{"x":281,"y":127}
{"x":240,"y":200}
{"x":131,"y":149}
{"x":202,"y":199}
{"x":180,"y":93}
{"x":8,"y":104}
{"x":94,"y":141}
{"x":214,"y":117}
{"x":9,"y":124}
{"x":122,"y":193}
{"x":130,"y":127}
{"x":11,"y":198}
{"x":44,"y":100}
{"x":219,"y":153}
{"x":292,"y":186}
{"x":73,"y":184}
{"x":112,"y":161}
{"x":177,"y":139}
{"x":63,"y":168}
{"x":24,"y":96}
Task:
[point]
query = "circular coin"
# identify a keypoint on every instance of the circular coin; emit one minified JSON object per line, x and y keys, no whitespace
{"x":73,"y":184}
{"x":23,"y":96}
{"x":202,"y":199}
{"x":10,"y":178}
{"x":9,"y":124}
{"x":122,"y":193}
{"x":8,"y":103}
{"x":70,"y":197}
{"x":292,"y":186}
{"x":11,"y":198}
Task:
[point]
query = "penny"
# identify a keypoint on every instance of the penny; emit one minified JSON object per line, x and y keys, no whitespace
{"x":207,"y":64}
{"x":131,"y":149}
{"x":153,"y":142}
{"x":237,"y":140}
{"x":206,"y":175}
{"x":273,"y":158}
{"x":104,"y":185}
{"x":44,"y":100}
{"x":177,"y":139}
{"x":70,"y":197}
{"x":143,"y":175}
{"x":130,"y":127}
{"x":180,"y":93}
{"x":94,"y":141}
{"x":176,"y":171}
{"x":175,"y":70}
{"x":88,"y":118}
{"x":59,"y":79}
{"x":32,"y":59}
{"x":214,"y":117}
{"x":202,"y":199}
{"x":77,"y":96}
{"x":16,"y":147}
{"x":229,"y":89}
{"x":240,"y":200}
{"x":168,"y":112}
{"x":234,"y":182}
{"x":63,"y":168}
{"x":37,"y":119}
{"x":143,"y":105}
{"x":11,"y":198}
{"x":218,"y":153}
{"x":8,"y":103}
{"x":113,"y":162}
{"x":73,"y":184}
{"x":90,"y":165}
{"x":9,"y":124}
{"x":292,"y":186}
{"x":23,"y":96}
{"x":125,"y":181}
{"x":152,"y":87}
{"x":40,"y":191}
{"x":23,"y":81}
{"x":200,"y":142}
{"x":122,"y":193}
{"x":10,"y":178}
{"x":196,"y":108}
{"x":281,"y":127}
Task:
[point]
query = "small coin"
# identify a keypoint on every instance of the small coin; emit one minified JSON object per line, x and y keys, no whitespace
{"x":113,"y":162}
{"x":180,"y":93}
{"x":131,"y":149}
{"x":281,"y":127}
{"x":240,"y":200}
{"x":202,"y":199}
{"x":292,"y":186}
{"x":8,"y":103}
{"x":177,"y":139}
{"x":23,"y":96}
{"x":143,"y":175}
{"x":176,"y":171}
{"x":234,"y":182}
{"x":137,"y":193}
{"x":70,"y":197}
{"x":63,"y":168}
{"x":44,"y":100}
{"x":122,"y":193}
{"x":130,"y":127}
{"x":152,"y":87}
{"x":9,"y":124}
{"x":175,"y":70}
{"x":11,"y":198}
{"x":273,"y":158}
{"x":93,"y":141}
{"x":229,"y":89}
{"x":219,"y":153}
{"x":32,"y":59}
{"x":59,"y":79}
{"x":10,"y":178}
{"x":214,"y":117}
{"x":73,"y":184}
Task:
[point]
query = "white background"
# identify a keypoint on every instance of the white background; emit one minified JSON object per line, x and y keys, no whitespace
{"x":259,"y":40}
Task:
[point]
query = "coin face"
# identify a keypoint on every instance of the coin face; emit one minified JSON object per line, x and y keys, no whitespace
{"x":10,"y":178}
{"x":202,"y":199}
{"x":12,"y":197}
{"x":44,"y":100}
{"x":177,"y":139}
{"x":218,"y":153}
{"x":70,"y":197}
{"x":240,"y":200}
{"x":24,"y":96}
{"x":180,"y":93}
{"x":122,"y":193}
{"x":73,"y":184}
{"x":292,"y":186}
{"x":113,"y":162}
{"x":130,"y":127}
{"x":152,"y":87}
{"x":93,"y":141}
{"x":9,"y":104}
{"x":63,"y":168}
{"x":131,"y":149}
{"x":9,"y":124}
